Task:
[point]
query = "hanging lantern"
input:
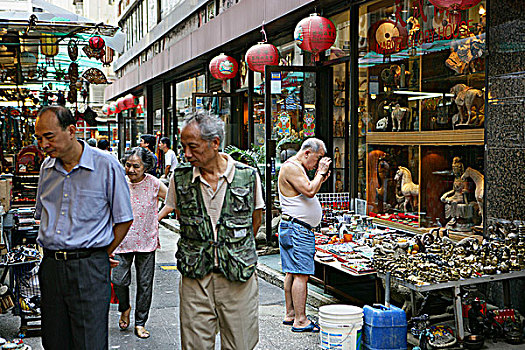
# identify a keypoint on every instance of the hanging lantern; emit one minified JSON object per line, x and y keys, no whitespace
{"x":139,"y":109}
{"x":121,"y":105}
{"x":315,"y":34}
{"x":261,"y":55}
{"x":130,"y":101}
{"x":96,"y":43}
{"x":113,"y":108}
{"x":455,"y":5}
{"x":107,"y":58}
{"x":223,"y":67}
{"x":105,"y":109}
{"x":49,"y":46}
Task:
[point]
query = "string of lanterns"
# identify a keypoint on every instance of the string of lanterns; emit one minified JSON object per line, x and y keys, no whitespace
{"x":313,"y":34}
{"x":121,"y":104}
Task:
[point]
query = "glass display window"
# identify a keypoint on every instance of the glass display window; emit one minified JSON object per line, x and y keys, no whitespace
{"x":421,"y":91}
{"x":341,"y":46}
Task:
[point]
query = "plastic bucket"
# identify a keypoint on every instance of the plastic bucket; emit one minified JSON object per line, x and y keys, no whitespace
{"x":340,"y":327}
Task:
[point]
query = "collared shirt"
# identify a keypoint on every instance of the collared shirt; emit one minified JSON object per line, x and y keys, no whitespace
{"x":213,"y":200}
{"x":77,"y":209}
{"x":170,"y":159}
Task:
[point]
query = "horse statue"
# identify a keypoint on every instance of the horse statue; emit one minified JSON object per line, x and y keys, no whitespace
{"x":398,"y":113}
{"x":479,"y":180}
{"x":466,"y":98}
{"x":408,"y":188}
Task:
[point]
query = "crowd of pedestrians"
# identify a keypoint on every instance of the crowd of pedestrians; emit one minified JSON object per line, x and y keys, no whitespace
{"x":100,"y":217}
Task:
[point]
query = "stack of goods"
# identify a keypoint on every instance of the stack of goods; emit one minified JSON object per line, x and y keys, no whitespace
{"x":434,"y":258}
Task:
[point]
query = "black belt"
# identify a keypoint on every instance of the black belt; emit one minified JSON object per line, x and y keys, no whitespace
{"x":71,"y":254}
{"x":297,"y":221}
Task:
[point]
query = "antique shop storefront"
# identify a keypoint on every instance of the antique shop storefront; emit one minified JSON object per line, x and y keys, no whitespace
{"x":418,"y":101}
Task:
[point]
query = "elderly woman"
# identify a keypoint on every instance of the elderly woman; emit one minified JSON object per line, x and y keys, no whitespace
{"x":142,"y":240}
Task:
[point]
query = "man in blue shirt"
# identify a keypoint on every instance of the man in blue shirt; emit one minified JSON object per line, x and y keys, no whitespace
{"x":84,"y":206}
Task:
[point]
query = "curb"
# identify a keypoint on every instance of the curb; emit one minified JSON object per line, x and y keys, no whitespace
{"x":277,"y":278}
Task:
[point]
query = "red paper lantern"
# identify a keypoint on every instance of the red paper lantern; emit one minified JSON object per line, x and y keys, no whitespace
{"x":315,"y":34}
{"x":223,"y":67}
{"x":455,"y":5}
{"x":261,"y":55}
{"x":107,"y":58}
{"x":113,"y":108}
{"x":130,"y":101}
{"x":121,"y":104}
{"x":105,"y":109}
{"x":96,"y":43}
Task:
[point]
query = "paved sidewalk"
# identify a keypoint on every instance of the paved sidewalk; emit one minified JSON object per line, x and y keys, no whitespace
{"x":163,"y":321}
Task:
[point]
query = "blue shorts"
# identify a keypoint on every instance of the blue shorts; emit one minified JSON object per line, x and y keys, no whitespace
{"x":297,"y":246}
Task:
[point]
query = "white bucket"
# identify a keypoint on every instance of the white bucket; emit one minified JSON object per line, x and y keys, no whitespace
{"x":340,"y":327}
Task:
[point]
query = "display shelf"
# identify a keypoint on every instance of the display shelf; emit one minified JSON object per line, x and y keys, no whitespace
{"x":436,"y":137}
{"x":478,"y":76}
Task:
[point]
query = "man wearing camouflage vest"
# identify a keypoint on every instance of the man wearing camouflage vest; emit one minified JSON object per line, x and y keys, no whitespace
{"x":219,"y":204}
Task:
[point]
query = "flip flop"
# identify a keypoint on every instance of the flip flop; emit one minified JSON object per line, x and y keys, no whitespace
{"x":141,"y":332}
{"x":288,"y":323}
{"x":312,"y":327}
{"x":123,"y":322}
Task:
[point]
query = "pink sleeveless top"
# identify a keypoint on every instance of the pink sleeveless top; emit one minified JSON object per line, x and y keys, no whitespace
{"x":143,"y":235}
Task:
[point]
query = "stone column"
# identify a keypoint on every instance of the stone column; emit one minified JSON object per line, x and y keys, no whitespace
{"x":505,"y":125}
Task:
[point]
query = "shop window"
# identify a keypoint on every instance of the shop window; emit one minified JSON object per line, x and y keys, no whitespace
{"x":341,"y":46}
{"x":421,"y":112}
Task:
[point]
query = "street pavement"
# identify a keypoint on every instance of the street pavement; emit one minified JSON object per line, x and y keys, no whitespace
{"x":163,"y":320}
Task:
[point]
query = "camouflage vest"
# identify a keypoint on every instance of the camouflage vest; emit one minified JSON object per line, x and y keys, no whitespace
{"x":235,"y":239}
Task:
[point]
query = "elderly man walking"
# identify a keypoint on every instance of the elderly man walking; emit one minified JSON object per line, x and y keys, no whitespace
{"x":84,"y":206}
{"x":301,"y":212}
{"x":219,"y":202}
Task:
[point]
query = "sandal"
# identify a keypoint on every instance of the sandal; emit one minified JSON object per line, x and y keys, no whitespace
{"x":123,"y":322}
{"x":141,"y":332}
{"x":312,"y":327}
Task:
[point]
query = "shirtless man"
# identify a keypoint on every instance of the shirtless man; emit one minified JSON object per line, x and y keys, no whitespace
{"x":301,"y":211}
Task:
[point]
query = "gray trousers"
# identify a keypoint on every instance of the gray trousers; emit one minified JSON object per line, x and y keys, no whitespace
{"x":75,"y":302}
{"x":121,"y":278}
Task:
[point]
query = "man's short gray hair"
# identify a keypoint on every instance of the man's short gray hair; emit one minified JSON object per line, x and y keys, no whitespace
{"x":313,"y":144}
{"x":210,"y":125}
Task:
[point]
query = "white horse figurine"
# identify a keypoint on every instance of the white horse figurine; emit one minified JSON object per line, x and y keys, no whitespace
{"x":479,"y":180}
{"x":408,"y":188}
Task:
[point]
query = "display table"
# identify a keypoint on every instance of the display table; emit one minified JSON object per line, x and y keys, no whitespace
{"x":327,"y":269}
{"x":456,"y":286}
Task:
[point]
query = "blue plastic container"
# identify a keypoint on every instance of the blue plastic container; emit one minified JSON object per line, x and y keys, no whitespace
{"x":385,"y":328}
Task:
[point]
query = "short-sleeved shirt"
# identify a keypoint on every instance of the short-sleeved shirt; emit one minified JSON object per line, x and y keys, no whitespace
{"x":213,"y":200}
{"x":77,"y":209}
{"x":143,"y":235}
{"x":170,"y":159}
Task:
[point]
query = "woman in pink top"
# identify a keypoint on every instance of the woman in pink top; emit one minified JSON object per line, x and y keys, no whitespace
{"x":142,"y":240}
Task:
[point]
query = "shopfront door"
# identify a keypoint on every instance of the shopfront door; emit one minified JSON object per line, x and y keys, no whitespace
{"x":291,"y":110}
{"x":228,"y":107}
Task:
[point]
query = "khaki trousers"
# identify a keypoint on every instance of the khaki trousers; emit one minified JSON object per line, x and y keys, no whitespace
{"x":213,"y":303}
